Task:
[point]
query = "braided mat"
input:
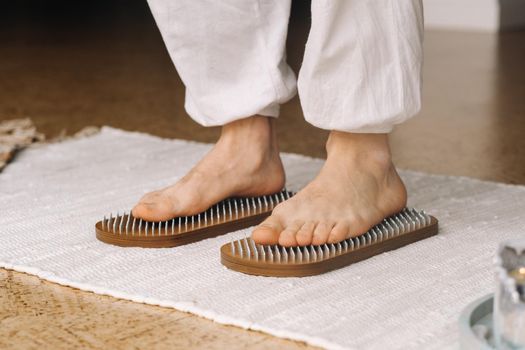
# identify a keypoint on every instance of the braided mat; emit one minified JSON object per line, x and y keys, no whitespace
{"x":51,"y":196}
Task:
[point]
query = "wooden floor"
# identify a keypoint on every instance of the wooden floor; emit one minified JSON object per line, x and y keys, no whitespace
{"x":104,"y":64}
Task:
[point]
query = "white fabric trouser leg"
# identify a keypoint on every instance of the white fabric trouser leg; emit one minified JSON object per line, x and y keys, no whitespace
{"x":361,"y":71}
{"x":362,"y":65}
{"x":230,"y":54}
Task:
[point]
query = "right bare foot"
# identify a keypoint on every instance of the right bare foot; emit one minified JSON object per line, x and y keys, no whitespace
{"x":357,"y":187}
{"x":244,"y":162}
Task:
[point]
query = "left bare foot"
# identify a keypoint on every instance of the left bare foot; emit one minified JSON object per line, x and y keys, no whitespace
{"x":245,"y":162}
{"x":357,"y":187}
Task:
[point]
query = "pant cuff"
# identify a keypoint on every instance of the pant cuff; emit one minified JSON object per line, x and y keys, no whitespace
{"x":270,"y":111}
{"x":381,"y":129}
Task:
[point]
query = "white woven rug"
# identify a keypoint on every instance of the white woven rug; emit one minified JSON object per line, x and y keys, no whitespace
{"x":50,"y":198}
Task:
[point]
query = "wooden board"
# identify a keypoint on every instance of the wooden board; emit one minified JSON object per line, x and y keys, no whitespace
{"x":226,"y":216}
{"x":247,"y":262}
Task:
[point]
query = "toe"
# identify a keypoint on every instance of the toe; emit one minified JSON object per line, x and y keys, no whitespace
{"x":155,"y":208}
{"x":305,"y":233}
{"x":287,"y":236}
{"x":321,"y":232}
{"x":339,"y":232}
{"x":150,"y":197}
{"x":268,"y":231}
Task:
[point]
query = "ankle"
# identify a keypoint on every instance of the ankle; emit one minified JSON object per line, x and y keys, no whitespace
{"x":255,"y":129}
{"x":251,"y":143}
{"x":372,"y":149}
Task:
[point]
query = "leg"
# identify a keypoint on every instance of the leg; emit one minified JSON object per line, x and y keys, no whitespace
{"x":230,"y":56}
{"x":360,"y":76}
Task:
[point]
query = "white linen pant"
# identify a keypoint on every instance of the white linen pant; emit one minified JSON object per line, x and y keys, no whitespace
{"x":361,"y":70}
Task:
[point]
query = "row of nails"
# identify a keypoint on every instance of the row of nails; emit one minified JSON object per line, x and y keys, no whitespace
{"x":234,"y":207}
{"x":405,"y":221}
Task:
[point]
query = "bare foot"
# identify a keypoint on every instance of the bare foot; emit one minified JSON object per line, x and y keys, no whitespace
{"x":357,"y":187}
{"x":244,"y":162}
